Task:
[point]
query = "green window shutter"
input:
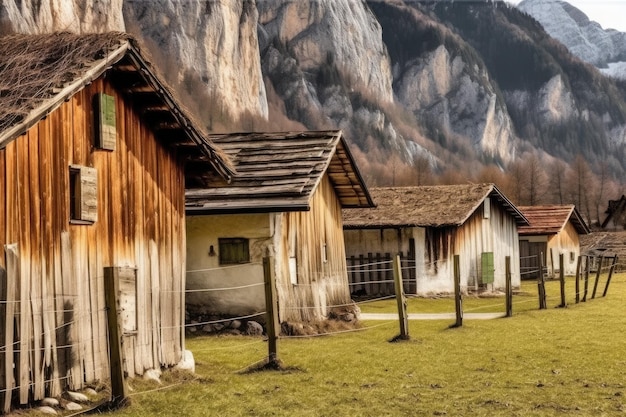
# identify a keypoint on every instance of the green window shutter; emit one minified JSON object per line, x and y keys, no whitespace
{"x":487,"y":268}
{"x":105,"y":122}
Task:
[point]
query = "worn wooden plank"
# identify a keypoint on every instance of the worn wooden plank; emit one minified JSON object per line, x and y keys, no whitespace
{"x":155,"y":291}
{"x":34,"y":204}
{"x":25,"y":322}
{"x":47,"y":246}
{"x":13,"y":279}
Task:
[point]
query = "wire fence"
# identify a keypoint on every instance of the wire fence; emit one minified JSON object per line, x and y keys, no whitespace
{"x":526,"y":298}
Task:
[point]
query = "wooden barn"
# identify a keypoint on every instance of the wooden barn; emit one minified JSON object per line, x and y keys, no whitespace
{"x":552,"y":230}
{"x":432,"y":224}
{"x":284,"y":201}
{"x":93,"y":150}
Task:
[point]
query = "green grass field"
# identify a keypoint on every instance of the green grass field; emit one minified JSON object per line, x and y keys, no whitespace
{"x":555,"y":362}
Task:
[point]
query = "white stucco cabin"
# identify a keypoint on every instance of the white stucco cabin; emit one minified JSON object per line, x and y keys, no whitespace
{"x":284,"y":201}
{"x":552,"y":230}
{"x":434,"y":223}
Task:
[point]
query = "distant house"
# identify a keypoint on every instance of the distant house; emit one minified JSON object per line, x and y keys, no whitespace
{"x":615,"y":215}
{"x":552,"y":230}
{"x":434,"y":223}
{"x":284,"y":201}
{"x":92,"y":153}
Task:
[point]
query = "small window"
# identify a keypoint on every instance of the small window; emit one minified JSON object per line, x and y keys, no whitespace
{"x":83,"y":194}
{"x":324,"y":253}
{"x":106,"y":132}
{"x":233,"y":251}
{"x":572,"y":256}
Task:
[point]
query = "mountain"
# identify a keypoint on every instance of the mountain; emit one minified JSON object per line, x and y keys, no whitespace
{"x":604,"y":48}
{"x":456,"y":86}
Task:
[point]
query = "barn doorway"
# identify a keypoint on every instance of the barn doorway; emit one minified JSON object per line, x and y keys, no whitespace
{"x":530,"y":253}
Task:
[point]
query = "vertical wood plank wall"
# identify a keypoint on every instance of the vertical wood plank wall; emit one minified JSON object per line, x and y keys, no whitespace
{"x":320,"y":284}
{"x":58,"y":301}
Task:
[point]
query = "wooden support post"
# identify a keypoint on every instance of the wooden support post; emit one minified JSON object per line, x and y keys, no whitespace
{"x":586,"y":277}
{"x":400,"y":299}
{"x":541,"y":285}
{"x":608,"y":280}
{"x":113,"y":308}
{"x":598,"y":272}
{"x":271,"y":308}
{"x":578,"y":264}
{"x":562,"y":280}
{"x":509,"y":287}
{"x":458,"y":302}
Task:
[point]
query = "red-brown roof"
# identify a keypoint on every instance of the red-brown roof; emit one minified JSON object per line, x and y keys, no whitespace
{"x":550,"y":220}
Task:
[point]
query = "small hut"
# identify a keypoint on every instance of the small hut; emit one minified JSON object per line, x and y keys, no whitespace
{"x":552,"y":230}
{"x":431,"y":224}
{"x":93,"y":147}
{"x":284,"y":201}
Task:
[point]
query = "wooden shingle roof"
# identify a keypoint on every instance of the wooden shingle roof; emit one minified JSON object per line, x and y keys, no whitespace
{"x":280,"y":172}
{"x":426,"y":206}
{"x":550,"y":220}
{"x":39,"y":72}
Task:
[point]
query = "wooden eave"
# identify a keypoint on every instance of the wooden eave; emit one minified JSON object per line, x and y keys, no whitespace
{"x":278,"y":172}
{"x":160,"y":111}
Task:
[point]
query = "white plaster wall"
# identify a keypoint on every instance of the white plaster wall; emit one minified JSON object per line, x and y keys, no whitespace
{"x":205,"y":273}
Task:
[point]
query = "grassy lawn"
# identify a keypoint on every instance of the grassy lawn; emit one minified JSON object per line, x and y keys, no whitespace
{"x":540,"y":363}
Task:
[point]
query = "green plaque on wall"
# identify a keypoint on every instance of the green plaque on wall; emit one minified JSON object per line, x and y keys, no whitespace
{"x":106,"y":133}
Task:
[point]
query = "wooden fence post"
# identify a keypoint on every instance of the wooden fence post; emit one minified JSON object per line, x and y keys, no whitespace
{"x":112,"y":299}
{"x":400,"y":299}
{"x":541,"y":285}
{"x":598,"y":272}
{"x":12,"y":278}
{"x":271,"y":308}
{"x":578,"y":264}
{"x":608,"y":280}
{"x":586,"y":277}
{"x":509,"y":287}
{"x":562,"y":280}
{"x":458,"y":302}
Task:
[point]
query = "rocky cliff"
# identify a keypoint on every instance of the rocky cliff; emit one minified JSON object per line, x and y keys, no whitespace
{"x":456,"y":83}
{"x":604,"y":48}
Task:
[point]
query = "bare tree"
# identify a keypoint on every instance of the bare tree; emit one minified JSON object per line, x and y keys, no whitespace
{"x":423,"y":171}
{"x":535,"y":179}
{"x":579,"y":184}
{"x":556,"y":175}
{"x":603,"y":186}
{"x":515,"y":183}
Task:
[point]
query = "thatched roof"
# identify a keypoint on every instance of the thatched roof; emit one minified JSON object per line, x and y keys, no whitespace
{"x":39,"y":72}
{"x":426,"y":206}
{"x":550,"y":220}
{"x":280,"y":172}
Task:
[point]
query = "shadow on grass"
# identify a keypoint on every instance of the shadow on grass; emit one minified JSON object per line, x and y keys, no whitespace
{"x":269,"y":365}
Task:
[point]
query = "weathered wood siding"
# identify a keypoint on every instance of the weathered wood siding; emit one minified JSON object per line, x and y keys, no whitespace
{"x":497,"y":234}
{"x":567,"y":242}
{"x":303,"y":235}
{"x":59,"y":298}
